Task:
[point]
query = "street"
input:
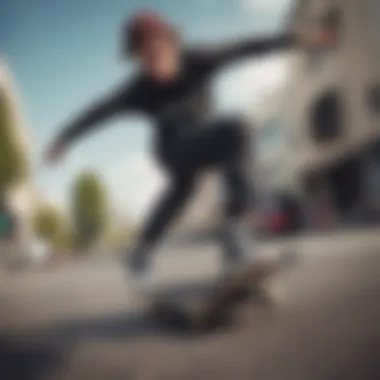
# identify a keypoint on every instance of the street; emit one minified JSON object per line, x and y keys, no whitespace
{"x":81,"y":321}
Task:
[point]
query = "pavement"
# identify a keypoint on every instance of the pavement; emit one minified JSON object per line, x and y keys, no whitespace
{"x":82,"y":321}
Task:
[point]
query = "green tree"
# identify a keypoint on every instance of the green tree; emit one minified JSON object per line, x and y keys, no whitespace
{"x":13,"y":160}
{"x":49,"y":225}
{"x":89,"y":208}
{"x":64,"y":239}
{"x":52,"y":227}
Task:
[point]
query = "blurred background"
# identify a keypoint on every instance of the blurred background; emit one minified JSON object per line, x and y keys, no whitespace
{"x":316,"y":118}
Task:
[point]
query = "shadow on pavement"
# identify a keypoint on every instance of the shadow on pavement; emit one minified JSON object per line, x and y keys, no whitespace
{"x":32,"y":355}
{"x":20,"y":361}
{"x":120,"y":326}
{"x":129,"y":325}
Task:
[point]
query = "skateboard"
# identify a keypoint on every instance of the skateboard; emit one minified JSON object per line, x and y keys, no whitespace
{"x":210,"y":304}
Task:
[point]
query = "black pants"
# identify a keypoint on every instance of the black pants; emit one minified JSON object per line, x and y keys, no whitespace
{"x":224,"y":145}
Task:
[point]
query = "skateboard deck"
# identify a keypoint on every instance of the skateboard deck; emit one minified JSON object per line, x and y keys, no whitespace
{"x":208,"y":304}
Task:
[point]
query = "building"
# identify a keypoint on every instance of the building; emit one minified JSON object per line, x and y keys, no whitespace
{"x":334,"y":123}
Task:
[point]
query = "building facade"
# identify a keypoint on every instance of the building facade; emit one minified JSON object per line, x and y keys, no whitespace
{"x":334,"y":123}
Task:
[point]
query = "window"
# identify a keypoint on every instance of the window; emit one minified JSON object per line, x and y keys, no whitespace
{"x":373,"y":175}
{"x":332,"y":19}
{"x":375,"y":149}
{"x":326,"y":117}
{"x":374,"y":98}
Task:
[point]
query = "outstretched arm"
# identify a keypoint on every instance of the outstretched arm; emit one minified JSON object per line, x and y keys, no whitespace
{"x":253,"y":47}
{"x":92,"y":117}
{"x":215,"y":57}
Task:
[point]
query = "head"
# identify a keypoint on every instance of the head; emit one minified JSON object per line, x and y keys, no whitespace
{"x":154,"y":43}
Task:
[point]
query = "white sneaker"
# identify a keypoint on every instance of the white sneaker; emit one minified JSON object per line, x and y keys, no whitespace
{"x":138,"y":268}
{"x":237,"y":246}
{"x":235,"y":240}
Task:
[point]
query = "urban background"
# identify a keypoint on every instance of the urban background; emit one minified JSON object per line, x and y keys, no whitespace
{"x":68,"y":310}
{"x":316,"y":164}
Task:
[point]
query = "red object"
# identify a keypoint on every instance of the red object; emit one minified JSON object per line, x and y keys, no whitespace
{"x":272,"y":221}
{"x":277,"y":221}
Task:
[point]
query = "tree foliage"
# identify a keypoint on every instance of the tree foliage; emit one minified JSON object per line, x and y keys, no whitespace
{"x":89,"y":208}
{"x":48,"y":224}
{"x":13,"y":161}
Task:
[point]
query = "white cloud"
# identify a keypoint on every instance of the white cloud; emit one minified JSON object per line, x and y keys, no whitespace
{"x":265,"y":5}
{"x":254,"y":5}
{"x":242,"y":87}
{"x":134,"y":182}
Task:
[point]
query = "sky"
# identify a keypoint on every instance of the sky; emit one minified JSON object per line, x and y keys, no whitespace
{"x":65,"y":53}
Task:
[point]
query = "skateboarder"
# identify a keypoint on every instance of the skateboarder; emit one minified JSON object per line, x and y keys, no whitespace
{"x":171,"y":86}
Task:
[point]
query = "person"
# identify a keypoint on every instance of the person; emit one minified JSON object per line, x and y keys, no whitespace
{"x":171,"y":86}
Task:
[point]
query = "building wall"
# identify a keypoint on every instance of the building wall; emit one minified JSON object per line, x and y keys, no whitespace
{"x":351,"y":68}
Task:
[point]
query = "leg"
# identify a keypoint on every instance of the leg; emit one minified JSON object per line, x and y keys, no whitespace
{"x":219,"y":145}
{"x":172,"y":202}
{"x":239,"y":190}
{"x":235,"y":236}
{"x":168,"y":206}
{"x":237,"y":170}
{"x":238,"y":243}
{"x":227,"y":146}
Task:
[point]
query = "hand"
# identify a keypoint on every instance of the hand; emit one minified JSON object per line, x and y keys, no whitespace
{"x":321,"y":37}
{"x":55,"y":152}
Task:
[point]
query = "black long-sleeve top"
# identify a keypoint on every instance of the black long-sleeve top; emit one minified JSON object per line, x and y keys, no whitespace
{"x":176,"y":105}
